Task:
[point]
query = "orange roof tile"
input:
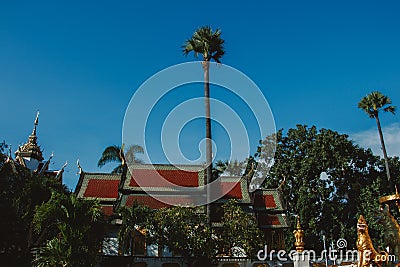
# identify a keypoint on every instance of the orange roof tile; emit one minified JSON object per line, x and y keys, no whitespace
{"x":267,"y":201}
{"x":232,"y":190}
{"x":160,"y":178}
{"x":102,"y":189}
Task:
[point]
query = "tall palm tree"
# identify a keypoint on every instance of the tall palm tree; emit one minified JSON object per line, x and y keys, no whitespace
{"x":372,"y":104}
{"x":115,"y":154}
{"x":209,"y":44}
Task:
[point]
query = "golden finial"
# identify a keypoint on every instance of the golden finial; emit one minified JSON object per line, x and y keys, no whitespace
{"x":299,"y":235}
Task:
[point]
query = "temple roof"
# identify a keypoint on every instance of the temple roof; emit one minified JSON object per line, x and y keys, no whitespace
{"x":162,"y":177}
{"x":161,"y":182}
{"x":101,"y":186}
{"x":268,"y":200}
{"x":30,"y":154}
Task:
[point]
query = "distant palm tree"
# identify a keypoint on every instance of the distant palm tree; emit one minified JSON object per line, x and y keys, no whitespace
{"x":209,"y":44}
{"x":372,"y":104}
{"x":115,"y":154}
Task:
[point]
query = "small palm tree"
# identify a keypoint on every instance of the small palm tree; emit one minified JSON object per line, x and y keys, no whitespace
{"x":210,"y":45}
{"x":372,"y":104}
{"x":74,"y":229}
{"x":114,"y":154}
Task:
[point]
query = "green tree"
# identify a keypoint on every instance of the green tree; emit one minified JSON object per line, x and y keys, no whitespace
{"x":133,"y":218}
{"x":209,"y":44}
{"x":372,"y":104}
{"x":186,"y":231}
{"x":73,"y":229}
{"x":115,"y":154}
{"x":20,"y":192}
{"x":239,"y":233}
{"x":232,"y":168}
{"x":325,"y":174}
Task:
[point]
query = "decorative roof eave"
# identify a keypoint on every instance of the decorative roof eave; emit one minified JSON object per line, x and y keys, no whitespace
{"x":46,"y":165}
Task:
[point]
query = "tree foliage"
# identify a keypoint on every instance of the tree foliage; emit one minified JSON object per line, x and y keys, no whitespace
{"x":20,"y":192}
{"x":78,"y":227}
{"x":38,"y":211}
{"x":186,"y":231}
{"x":207,"y":43}
{"x":116,"y":154}
{"x":133,"y":218}
{"x":239,"y":233}
{"x":376,"y":102}
{"x":329,"y":182}
{"x":232,"y":168}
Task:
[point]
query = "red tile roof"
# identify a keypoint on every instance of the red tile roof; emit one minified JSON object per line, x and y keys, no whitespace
{"x":160,"y":178}
{"x":232,"y":190}
{"x":267,"y":201}
{"x":102,"y":189}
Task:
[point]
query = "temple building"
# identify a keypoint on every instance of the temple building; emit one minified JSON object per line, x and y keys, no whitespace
{"x":30,"y":155}
{"x":119,"y":190}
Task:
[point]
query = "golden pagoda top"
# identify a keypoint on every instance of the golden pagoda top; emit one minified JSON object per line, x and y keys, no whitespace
{"x":30,"y":154}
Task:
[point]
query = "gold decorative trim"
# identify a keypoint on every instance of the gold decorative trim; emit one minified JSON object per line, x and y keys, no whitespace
{"x":390,"y":198}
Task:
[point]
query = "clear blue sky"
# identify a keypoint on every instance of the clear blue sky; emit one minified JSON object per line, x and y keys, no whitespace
{"x":80,"y":62}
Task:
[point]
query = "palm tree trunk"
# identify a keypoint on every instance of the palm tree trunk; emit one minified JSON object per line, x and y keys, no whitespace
{"x":384,"y":150}
{"x":206,"y":67}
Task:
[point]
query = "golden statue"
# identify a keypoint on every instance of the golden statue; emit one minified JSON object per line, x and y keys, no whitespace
{"x":299,"y":235}
{"x":366,"y":251}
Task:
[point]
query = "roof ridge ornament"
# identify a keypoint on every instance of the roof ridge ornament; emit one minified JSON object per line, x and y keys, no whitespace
{"x":80,"y":171}
{"x":35,"y":123}
{"x":60,"y":172}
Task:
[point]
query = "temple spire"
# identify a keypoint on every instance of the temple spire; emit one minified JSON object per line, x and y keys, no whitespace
{"x":35,"y":124}
{"x":30,"y":154}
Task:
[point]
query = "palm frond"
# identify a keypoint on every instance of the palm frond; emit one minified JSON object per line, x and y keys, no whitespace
{"x":375,"y":102}
{"x":110,"y":154}
{"x":391,"y":109}
{"x":130,"y":154}
{"x":205,"y":42}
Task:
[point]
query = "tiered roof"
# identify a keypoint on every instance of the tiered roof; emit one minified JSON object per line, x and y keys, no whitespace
{"x":101,"y":186}
{"x":144,"y":185}
{"x":269,"y":209}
